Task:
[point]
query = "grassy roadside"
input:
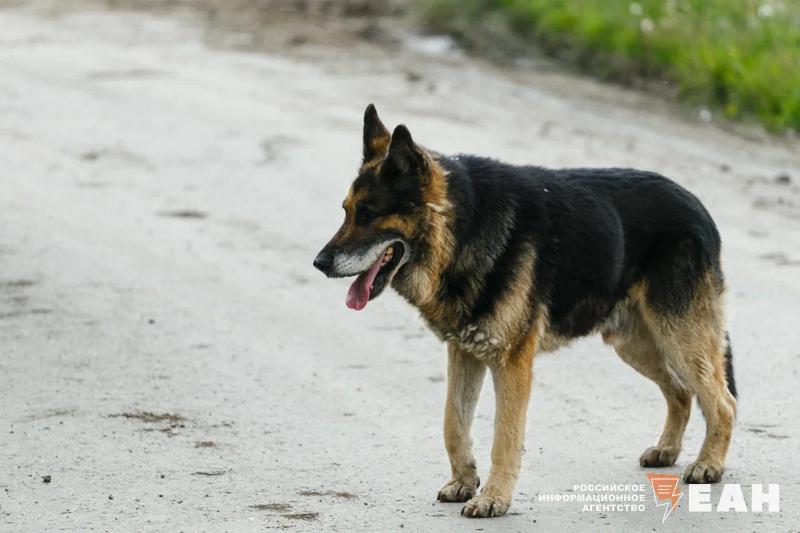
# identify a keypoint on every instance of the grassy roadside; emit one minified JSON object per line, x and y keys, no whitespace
{"x":740,"y":56}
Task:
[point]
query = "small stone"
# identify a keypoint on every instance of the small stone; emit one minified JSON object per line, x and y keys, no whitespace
{"x":46,"y":479}
{"x":110,"y":496}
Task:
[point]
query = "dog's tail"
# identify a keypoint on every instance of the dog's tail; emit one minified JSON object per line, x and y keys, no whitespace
{"x":729,"y":366}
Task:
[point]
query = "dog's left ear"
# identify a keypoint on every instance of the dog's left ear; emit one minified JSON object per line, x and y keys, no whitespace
{"x":376,"y":136}
{"x":406,"y":159}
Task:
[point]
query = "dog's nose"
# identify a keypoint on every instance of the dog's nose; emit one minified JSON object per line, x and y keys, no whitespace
{"x":324,"y":261}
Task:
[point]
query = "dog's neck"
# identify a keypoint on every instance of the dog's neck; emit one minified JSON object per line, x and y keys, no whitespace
{"x":443,"y":251}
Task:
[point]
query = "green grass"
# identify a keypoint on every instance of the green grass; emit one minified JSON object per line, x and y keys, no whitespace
{"x":740,"y":56}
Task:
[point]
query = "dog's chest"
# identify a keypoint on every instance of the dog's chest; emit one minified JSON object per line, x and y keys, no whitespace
{"x":479,"y":340}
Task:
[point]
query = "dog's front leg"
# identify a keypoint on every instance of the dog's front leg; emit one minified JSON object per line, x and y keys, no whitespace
{"x":512,"y":384}
{"x":464,"y":381}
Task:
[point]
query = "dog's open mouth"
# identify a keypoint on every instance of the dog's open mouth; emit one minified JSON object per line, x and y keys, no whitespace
{"x":371,"y":282}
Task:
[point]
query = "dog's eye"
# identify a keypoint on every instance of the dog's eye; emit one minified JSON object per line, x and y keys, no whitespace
{"x":365,"y":215}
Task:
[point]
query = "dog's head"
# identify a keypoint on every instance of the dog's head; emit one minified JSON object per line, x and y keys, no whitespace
{"x":386,"y":212}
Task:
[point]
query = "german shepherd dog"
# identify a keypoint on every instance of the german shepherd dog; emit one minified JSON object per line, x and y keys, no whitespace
{"x":504,"y":262}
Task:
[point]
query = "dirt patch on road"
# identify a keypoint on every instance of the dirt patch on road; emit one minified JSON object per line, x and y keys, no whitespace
{"x":50,"y":413}
{"x":301,"y":516}
{"x":284,"y":508}
{"x":276,"y":507}
{"x":173,"y":421}
{"x":17,"y":284}
{"x":151,"y":418}
{"x":210,"y":473}
{"x":337,"y":494}
{"x":183,"y":213}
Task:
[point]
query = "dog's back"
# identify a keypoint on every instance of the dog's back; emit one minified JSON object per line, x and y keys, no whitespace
{"x":596,"y":233}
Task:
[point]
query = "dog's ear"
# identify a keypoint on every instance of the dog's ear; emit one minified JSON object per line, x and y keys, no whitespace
{"x":406,"y":165}
{"x":376,"y":136}
{"x":406,"y":159}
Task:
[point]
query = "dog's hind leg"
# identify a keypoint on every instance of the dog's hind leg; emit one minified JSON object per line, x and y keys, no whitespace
{"x":512,"y":384}
{"x":464,"y":381}
{"x":695,"y":345}
{"x":637,"y":347}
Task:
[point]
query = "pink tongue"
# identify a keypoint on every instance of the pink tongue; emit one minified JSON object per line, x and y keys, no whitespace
{"x":358,"y":295}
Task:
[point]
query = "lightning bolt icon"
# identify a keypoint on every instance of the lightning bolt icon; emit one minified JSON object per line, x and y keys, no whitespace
{"x":665,"y":491}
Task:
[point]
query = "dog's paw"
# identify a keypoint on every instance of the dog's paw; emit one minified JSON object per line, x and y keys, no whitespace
{"x":655,"y":456}
{"x":702,"y":472}
{"x":458,"y":490}
{"x":485,"y":506}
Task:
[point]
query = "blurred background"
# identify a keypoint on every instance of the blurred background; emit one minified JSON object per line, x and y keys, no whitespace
{"x":170,"y":359}
{"x":741,"y":57}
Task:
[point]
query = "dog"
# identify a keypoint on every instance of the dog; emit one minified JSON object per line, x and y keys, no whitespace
{"x":504,"y":262}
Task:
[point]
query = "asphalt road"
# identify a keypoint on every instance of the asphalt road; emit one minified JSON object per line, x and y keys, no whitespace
{"x":169,"y":357}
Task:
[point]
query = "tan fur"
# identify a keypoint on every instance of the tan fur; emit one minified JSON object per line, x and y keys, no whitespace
{"x":464,"y":381}
{"x":549,"y":340}
{"x":512,"y":377}
{"x":424,"y":280}
{"x":501,"y":333}
{"x":684,"y":355}
{"x":349,"y":227}
{"x":510,"y":321}
{"x":694,"y":345}
{"x":512,"y":383}
{"x":379,"y":144}
{"x":637,"y":347}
